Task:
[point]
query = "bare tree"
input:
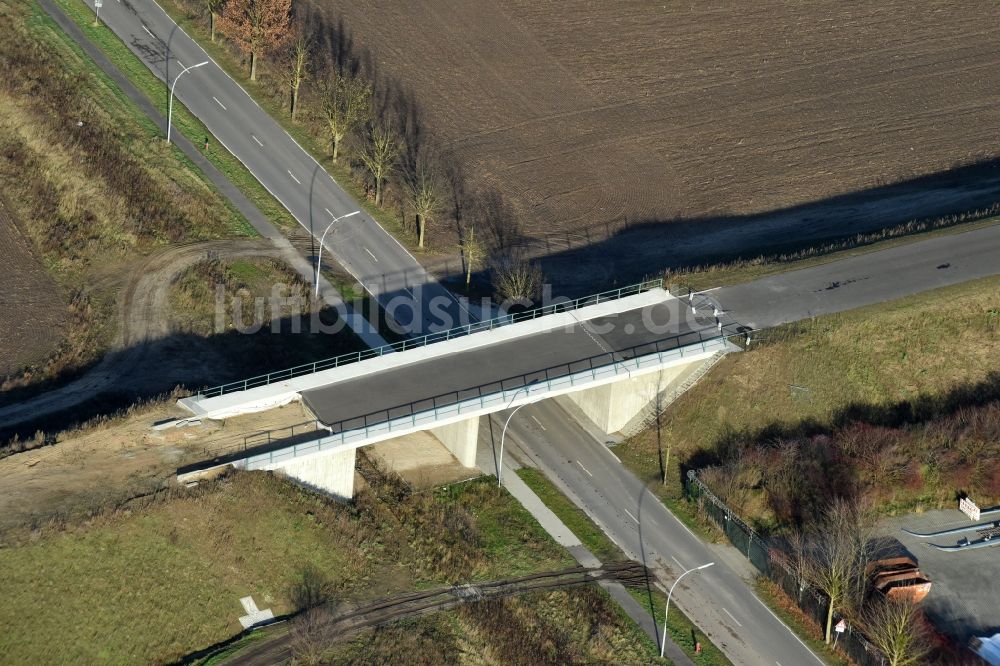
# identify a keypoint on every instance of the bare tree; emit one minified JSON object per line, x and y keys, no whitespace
{"x":423,"y":187}
{"x":257,"y":27}
{"x":379,"y":155}
{"x":898,"y":629}
{"x":311,"y":636}
{"x":798,"y":560}
{"x":473,"y":252}
{"x":840,"y":547}
{"x":346,"y":106}
{"x":213,"y":7}
{"x":296,"y":64}
{"x":516,"y":279}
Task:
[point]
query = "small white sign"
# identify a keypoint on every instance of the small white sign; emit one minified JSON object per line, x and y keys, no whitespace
{"x":98,"y":3}
{"x":841,"y":627}
{"x":969,"y":508}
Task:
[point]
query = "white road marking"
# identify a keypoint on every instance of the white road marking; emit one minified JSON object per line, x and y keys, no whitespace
{"x":678,"y":562}
{"x":294,"y":178}
{"x":630,"y":515}
{"x":731,"y":616}
{"x":585,"y":470}
{"x":329,"y":213}
{"x":257,"y":140}
{"x":787,"y":627}
{"x":538,"y":422}
{"x":148,"y":32}
{"x":180,"y":64}
{"x":374,"y":258}
{"x":219,"y":103}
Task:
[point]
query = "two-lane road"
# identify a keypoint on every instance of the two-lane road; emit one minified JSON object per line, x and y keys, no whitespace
{"x":380,"y":263}
{"x":717,"y":600}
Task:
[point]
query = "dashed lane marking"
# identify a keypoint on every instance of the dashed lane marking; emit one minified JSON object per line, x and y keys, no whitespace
{"x":374,"y":258}
{"x":148,"y":32}
{"x":678,"y":562}
{"x":733,"y":618}
{"x":219,"y":103}
{"x":538,"y":422}
{"x":630,"y":515}
{"x":257,"y":140}
{"x":584,"y":469}
{"x":294,"y":178}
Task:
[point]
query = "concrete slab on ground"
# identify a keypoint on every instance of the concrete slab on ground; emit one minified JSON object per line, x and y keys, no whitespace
{"x":964,"y":600}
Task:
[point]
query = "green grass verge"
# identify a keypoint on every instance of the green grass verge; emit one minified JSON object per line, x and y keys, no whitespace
{"x":681,"y":630}
{"x":113,"y":100}
{"x":183,"y":121}
{"x":574,"y":518}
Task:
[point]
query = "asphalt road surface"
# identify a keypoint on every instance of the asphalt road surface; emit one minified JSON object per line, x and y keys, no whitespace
{"x":383,"y":266}
{"x":510,"y":364}
{"x":717,"y":599}
{"x":864,"y":279}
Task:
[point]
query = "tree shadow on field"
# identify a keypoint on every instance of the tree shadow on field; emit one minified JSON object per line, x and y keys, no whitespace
{"x":635,"y":249}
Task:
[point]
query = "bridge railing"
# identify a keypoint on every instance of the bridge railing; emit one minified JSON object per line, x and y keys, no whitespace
{"x":441,"y":336}
{"x":535,"y":384}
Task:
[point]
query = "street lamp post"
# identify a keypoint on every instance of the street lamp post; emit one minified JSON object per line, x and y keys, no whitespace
{"x":319,"y":257}
{"x":663,"y":640}
{"x":503,"y":432}
{"x":170,"y":103}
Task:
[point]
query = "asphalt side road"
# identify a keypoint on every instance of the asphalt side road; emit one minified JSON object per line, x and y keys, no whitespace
{"x":863,"y":279}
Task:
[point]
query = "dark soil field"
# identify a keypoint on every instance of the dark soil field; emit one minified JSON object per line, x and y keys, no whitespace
{"x":594,"y":117}
{"x":32,"y":308}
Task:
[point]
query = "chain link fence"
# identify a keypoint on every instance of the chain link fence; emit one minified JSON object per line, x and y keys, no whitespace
{"x":756,"y":549}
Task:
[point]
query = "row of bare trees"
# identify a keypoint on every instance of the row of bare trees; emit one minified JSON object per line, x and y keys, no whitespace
{"x":376,"y":135}
{"x":832,"y":555}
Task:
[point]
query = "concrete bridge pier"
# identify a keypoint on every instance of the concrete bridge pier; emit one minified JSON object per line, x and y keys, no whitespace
{"x":460,"y":438}
{"x":331,"y":473}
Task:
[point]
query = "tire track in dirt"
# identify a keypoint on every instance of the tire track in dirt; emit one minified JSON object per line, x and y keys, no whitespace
{"x":144,"y":319}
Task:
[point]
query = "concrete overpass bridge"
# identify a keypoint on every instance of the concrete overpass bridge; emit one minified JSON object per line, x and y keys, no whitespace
{"x":610,"y":353}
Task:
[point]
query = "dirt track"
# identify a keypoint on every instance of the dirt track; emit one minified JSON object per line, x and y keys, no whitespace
{"x":144,"y":319}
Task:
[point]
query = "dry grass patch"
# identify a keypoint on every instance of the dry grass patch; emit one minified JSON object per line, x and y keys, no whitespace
{"x":162,"y":577}
{"x":815,"y":373}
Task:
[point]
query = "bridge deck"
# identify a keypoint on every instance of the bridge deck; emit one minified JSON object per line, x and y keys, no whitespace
{"x":506,"y":365}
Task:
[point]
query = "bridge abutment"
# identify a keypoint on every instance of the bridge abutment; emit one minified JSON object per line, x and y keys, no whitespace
{"x":332,"y":473}
{"x":460,"y":438}
{"x":612,"y":406}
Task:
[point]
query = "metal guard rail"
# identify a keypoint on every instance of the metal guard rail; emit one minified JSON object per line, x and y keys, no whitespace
{"x":441,"y":336}
{"x":499,"y":399}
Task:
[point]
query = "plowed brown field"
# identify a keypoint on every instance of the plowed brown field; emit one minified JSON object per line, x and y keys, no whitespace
{"x":590,"y":112}
{"x":32,"y":311}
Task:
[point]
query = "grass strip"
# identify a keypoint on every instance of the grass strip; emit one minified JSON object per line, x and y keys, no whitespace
{"x":681,"y":630}
{"x":571,"y":515}
{"x":183,"y":120}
